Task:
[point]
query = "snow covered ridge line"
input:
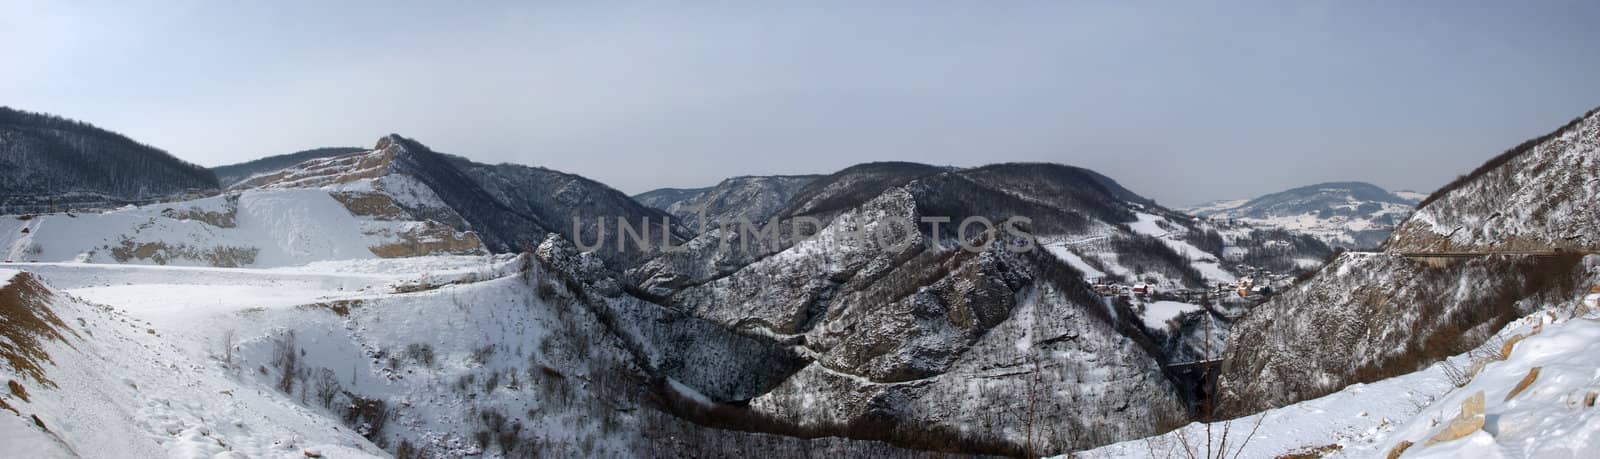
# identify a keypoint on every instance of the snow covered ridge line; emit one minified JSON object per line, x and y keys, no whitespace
{"x":891,"y":234}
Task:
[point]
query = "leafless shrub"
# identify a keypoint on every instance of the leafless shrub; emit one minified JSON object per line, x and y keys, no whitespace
{"x":1458,"y":376}
{"x":481,"y":355}
{"x":228,"y":340}
{"x":326,"y":386}
{"x":368,"y":416}
{"x":286,"y":358}
{"x":492,"y":382}
{"x":421,"y":353}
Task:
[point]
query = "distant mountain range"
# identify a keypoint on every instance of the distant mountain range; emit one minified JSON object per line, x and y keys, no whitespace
{"x":459,"y":298}
{"x":1341,"y":214}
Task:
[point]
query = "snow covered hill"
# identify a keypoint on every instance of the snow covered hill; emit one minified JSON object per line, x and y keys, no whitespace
{"x":267,"y":227}
{"x":754,"y":198}
{"x":454,"y":356}
{"x":1341,"y":214}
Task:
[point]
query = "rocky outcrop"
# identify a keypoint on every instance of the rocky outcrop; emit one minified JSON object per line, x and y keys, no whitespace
{"x":232,"y":174}
{"x":326,"y":171}
{"x":1469,"y":420}
{"x":1533,"y":375}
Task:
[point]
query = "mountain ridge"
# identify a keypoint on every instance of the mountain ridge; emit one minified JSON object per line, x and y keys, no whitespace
{"x":1355,"y":215}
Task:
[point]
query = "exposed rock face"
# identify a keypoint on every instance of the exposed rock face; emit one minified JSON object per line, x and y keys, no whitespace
{"x":326,"y":171}
{"x":1370,"y":316}
{"x":1399,"y":449}
{"x":162,"y":253}
{"x":429,"y":238}
{"x":232,"y":174}
{"x":1470,"y":420}
{"x":1533,"y":375}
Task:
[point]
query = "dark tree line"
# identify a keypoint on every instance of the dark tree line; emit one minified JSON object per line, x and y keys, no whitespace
{"x":47,"y":155}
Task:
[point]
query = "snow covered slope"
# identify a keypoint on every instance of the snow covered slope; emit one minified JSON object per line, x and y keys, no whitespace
{"x":1537,"y":196}
{"x":1341,"y":214}
{"x":107,"y":383}
{"x":272,"y":227}
{"x":1549,"y":414}
{"x":486,"y":356}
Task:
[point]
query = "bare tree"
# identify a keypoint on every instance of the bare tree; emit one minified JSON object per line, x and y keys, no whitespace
{"x":285,"y":357}
{"x":326,"y":385}
{"x":228,"y":339}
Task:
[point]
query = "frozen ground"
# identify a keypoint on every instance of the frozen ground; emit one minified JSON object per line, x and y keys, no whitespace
{"x":160,"y":361}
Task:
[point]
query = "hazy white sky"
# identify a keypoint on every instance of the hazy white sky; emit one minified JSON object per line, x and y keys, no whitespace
{"x":1180,"y":101}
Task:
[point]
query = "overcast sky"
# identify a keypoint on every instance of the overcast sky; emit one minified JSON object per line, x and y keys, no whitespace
{"x":1180,"y":101}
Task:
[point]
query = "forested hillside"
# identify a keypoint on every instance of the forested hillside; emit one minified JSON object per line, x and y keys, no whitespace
{"x":45,"y":157}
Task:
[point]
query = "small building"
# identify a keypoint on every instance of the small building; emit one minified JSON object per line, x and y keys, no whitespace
{"x":1244,"y":285}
